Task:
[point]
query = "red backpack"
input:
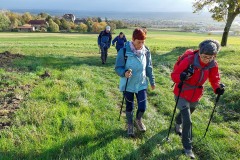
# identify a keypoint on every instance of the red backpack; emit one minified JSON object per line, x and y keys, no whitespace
{"x":187,"y":54}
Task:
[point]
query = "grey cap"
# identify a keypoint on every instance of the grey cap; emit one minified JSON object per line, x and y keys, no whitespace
{"x":209,"y":47}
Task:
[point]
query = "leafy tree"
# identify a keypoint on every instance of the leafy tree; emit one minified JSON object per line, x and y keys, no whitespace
{"x":99,"y":19}
{"x":222,"y":10}
{"x":82,"y":27}
{"x":56,"y":20}
{"x":72,"y":25}
{"x":98,"y":27}
{"x":112,"y":25}
{"x":119,"y":24}
{"x":4,"y":22}
{"x":42,"y":15}
{"x":15,"y":23}
{"x":14,"y":19}
{"x":26,"y":17}
{"x":89,"y":24}
{"x":53,"y":27}
{"x":64,"y":24}
{"x":48,"y":18}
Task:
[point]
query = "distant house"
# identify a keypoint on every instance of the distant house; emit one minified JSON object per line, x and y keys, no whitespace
{"x":38,"y":24}
{"x":26,"y":28}
{"x":78,"y":21}
{"x":69,"y":17}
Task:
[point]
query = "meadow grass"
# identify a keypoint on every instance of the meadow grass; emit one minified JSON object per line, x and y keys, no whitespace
{"x":73,"y":114}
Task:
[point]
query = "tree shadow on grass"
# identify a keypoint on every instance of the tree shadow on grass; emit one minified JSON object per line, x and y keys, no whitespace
{"x":33,"y":63}
{"x":76,"y":148}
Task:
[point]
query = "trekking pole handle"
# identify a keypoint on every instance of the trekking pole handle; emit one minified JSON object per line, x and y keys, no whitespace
{"x":222,"y":86}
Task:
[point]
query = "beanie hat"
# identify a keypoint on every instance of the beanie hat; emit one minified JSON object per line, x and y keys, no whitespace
{"x":108,"y":28}
{"x":209,"y":47}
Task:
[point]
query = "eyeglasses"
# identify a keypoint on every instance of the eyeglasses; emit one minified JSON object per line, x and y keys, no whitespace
{"x":207,"y":57}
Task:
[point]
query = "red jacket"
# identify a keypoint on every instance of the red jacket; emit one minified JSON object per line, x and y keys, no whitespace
{"x":192,"y":89}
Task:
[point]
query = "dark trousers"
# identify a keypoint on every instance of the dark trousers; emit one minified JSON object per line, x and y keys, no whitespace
{"x":104,"y":53}
{"x":141,"y":100}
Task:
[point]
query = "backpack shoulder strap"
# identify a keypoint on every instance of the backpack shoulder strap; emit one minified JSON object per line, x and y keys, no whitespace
{"x":124,"y":54}
{"x":101,"y":34}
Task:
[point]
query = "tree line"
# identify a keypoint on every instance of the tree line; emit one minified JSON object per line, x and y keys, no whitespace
{"x":10,"y":21}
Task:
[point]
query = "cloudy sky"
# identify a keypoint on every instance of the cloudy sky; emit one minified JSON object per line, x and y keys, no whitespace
{"x":101,"y":5}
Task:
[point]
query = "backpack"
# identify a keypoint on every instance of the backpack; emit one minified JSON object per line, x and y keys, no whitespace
{"x":187,"y":54}
{"x":190,"y":54}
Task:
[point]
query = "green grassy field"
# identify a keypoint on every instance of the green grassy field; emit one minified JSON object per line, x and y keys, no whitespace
{"x":73,"y":114}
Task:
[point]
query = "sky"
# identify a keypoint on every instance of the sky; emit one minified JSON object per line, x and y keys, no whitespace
{"x":102,"y":5}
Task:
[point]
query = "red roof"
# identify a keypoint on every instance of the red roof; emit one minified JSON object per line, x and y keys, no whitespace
{"x":37,"y":22}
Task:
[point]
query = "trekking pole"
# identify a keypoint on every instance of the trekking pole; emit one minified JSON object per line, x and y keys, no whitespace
{"x":217,"y":99}
{"x":180,"y":90}
{"x":129,"y":70}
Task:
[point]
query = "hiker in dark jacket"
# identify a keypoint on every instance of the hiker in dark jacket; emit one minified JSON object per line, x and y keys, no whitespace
{"x":204,"y":66}
{"x":135,"y":80}
{"x":120,"y":40}
{"x":104,"y":42}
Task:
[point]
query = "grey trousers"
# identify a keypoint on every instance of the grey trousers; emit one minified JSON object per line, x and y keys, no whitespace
{"x":184,"y":118}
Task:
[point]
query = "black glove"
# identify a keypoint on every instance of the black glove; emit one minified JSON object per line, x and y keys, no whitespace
{"x":190,"y":71}
{"x":113,"y":45}
{"x":183,"y":76}
{"x":220,"y":91}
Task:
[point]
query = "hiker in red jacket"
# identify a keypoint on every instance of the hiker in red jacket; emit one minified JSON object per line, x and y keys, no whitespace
{"x":190,"y":75}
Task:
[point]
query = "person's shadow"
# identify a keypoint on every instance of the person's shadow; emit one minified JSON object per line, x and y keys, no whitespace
{"x":145,"y":150}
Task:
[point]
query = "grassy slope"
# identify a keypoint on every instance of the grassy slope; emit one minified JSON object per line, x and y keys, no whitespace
{"x":73,"y":114}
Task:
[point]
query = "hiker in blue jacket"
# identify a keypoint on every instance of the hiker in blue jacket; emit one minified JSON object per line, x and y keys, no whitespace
{"x":104,"y":42}
{"x":120,"y":40}
{"x":137,"y":58}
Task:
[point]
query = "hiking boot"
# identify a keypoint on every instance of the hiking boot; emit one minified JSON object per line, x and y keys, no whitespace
{"x":130,"y":126}
{"x":189,"y":153}
{"x":130,"y":130}
{"x":141,"y":127}
{"x":178,"y":129}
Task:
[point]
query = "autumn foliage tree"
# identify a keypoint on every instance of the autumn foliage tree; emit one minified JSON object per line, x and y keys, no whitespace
{"x":4,"y":22}
{"x":222,"y":10}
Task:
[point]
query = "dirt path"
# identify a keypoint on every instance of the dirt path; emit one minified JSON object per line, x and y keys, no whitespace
{"x":9,"y":99}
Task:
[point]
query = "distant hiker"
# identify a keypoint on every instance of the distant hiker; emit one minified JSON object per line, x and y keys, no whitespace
{"x":104,"y":42}
{"x":189,"y":75}
{"x":120,"y":40}
{"x":134,"y":65}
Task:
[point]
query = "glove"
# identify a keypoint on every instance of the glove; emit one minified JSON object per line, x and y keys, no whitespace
{"x":220,"y":91}
{"x":113,"y":45}
{"x":183,"y":76}
{"x":190,"y":71}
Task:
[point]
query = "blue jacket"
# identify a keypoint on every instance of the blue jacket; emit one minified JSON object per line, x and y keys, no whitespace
{"x":104,"y":39}
{"x":120,"y":42}
{"x":141,"y":69}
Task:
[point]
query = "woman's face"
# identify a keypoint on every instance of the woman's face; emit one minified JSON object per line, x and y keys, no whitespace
{"x":206,"y":58}
{"x":121,"y":35}
{"x":138,"y":44}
